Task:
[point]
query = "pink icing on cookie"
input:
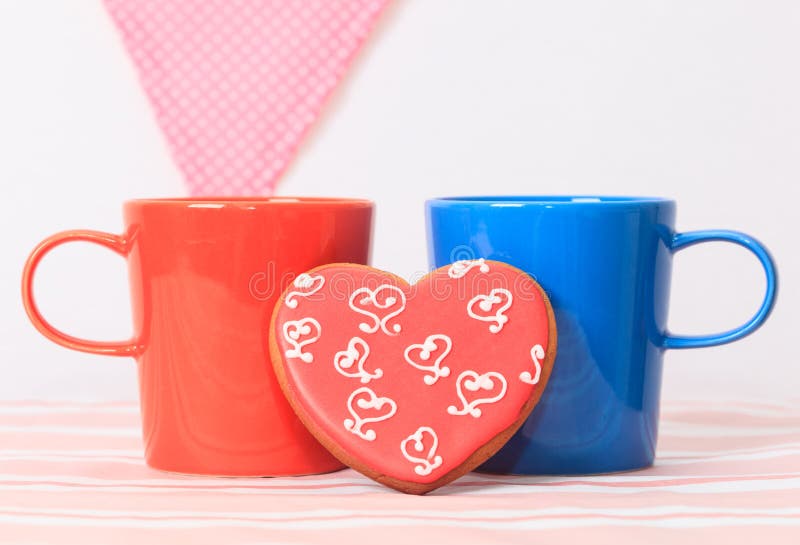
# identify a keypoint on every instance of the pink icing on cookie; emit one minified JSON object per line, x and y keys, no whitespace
{"x":409,"y":381}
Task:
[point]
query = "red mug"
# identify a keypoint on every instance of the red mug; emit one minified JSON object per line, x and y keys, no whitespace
{"x":204,"y":277}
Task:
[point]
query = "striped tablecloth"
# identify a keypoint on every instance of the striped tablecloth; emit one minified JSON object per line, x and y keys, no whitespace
{"x":73,"y":473}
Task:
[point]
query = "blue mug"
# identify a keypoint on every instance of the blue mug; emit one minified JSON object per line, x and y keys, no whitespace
{"x":605,"y":262}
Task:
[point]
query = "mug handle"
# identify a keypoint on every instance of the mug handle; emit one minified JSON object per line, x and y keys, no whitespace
{"x":681,"y":241}
{"x":114,"y":243}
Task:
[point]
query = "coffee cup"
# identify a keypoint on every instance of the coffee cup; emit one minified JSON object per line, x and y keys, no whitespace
{"x":606,"y":264}
{"x":204,"y":277}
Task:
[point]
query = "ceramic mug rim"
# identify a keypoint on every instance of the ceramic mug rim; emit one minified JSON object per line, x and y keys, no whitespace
{"x":251,"y":202}
{"x":520,"y":201}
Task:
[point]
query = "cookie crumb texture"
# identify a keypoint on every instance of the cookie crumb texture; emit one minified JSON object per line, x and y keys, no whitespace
{"x":413,"y":385}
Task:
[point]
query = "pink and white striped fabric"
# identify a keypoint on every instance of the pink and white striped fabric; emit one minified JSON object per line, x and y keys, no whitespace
{"x":235,"y":85}
{"x":73,"y":473}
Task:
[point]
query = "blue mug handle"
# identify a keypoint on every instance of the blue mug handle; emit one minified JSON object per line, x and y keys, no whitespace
{"x":681,"y":241}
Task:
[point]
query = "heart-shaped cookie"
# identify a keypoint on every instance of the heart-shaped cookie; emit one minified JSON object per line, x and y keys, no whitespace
{"x":413,"y":385}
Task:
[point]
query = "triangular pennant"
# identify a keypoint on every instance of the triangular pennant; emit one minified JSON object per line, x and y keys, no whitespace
{"x":235,"y":85}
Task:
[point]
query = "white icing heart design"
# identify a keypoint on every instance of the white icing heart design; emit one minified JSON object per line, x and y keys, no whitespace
{"x":424,"y":351}
{"x":427,"y":461}
{"x":470,"y":381}
{"x":486,"y":303}
{"x":356,"y":355}
{"x":307,"y":285}
{"x":383,"y":297}
{"x":370,"y":402}
{"x":462,"y":267}
{"x":537,"y":355}
{"x":307,"y":329}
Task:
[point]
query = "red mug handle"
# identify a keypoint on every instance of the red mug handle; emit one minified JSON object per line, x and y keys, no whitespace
{"x":115,"y":243}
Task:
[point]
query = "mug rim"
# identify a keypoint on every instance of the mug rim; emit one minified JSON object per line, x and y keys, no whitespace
{"x":518,"y":201}
{"x":249,"y":202}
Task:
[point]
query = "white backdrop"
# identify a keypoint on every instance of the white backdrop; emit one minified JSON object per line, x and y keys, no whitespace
{"x":693,"y":100}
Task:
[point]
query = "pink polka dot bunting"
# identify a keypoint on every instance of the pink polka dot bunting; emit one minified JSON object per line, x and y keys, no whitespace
{"x":236,"y":84}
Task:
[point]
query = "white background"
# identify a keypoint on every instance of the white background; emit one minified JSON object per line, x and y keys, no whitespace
{"x":695,"y":100}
